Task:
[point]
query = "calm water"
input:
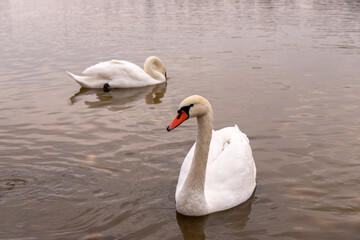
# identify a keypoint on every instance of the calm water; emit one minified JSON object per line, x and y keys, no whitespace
{"x":83,"y":164}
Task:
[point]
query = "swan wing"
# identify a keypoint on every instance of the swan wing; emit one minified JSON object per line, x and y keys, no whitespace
{"x":231,"y":171}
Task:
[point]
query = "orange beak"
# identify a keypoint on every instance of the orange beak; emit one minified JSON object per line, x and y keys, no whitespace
{"x":181,"y":117}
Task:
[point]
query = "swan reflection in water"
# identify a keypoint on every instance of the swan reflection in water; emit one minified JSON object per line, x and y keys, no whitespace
{"x":117,"y":99}
{"x":193,"y":227}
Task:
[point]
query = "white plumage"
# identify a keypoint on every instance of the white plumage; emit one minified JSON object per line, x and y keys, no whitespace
{"x":122,"y":74}
{"x":230,"y":172}
{"x":229,"y":177}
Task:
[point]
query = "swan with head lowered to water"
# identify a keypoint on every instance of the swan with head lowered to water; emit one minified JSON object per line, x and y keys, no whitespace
{"x":122,"y":74}
{"x":219,"y":171}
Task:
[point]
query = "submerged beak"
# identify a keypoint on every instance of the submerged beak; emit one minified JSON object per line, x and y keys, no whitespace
{"x":181,"y":117}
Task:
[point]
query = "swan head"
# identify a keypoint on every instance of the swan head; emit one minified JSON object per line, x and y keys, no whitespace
{"x":160,"y":67}
{"x":190,"y":107}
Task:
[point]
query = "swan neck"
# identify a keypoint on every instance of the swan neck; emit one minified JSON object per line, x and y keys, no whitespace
{"x":197,"y":173}
{"x":203,"y":139}
{"x":191,"y":199}
{"x":148,"y":68}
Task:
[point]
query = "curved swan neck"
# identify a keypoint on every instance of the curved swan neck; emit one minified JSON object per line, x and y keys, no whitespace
{"x":148,"y":68}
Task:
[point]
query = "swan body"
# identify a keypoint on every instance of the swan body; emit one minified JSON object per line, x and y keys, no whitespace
{"x":122,"y":74}
{"x":219,"y":171}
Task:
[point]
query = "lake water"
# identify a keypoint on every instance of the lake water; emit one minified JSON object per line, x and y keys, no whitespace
{"x":84,"y":164}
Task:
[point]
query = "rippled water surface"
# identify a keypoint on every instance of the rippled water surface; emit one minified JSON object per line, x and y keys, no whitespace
{"x":84,"y":164}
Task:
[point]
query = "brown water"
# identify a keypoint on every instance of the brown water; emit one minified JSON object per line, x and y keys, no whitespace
{"x":84,"y":164}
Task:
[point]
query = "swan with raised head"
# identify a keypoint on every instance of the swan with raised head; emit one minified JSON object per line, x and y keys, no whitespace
{"x":219,"y":171}
{"x":122,"y":74}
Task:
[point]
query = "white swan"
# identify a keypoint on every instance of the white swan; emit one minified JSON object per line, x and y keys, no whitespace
{"x":122,"y":74}
{"x":219,"y":171}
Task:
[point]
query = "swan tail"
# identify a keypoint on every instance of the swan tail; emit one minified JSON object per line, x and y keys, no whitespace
{"x":88,"y":81}
{"x":77,"y":78}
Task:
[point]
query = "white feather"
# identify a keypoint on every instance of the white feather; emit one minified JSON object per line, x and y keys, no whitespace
{"x":230,"y":172}
{"x":218,"y":174}
{"x":119,"y":74}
